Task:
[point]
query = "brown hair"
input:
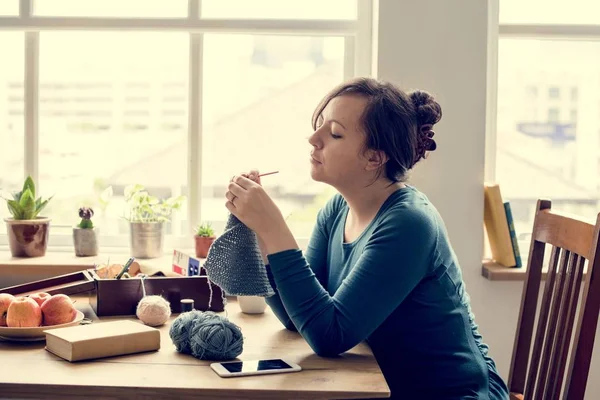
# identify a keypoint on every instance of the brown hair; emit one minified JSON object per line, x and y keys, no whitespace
{"x":397,"y":123}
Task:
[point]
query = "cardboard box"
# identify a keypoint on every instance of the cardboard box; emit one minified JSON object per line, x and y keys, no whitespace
{"x":109,"y":297}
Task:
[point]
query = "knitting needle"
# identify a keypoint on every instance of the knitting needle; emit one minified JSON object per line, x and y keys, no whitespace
{"x":125,"y":268}
{"x":265,"y":174}
{"x":268,"y":173}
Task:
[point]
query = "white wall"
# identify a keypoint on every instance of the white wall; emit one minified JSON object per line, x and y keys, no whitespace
{"x":441,"y":46}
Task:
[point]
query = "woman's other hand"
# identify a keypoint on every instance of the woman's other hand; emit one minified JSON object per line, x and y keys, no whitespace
{"x":250,"y":203}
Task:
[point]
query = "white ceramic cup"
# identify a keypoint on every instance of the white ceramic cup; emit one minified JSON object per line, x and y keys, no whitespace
{"x":252,"y":304}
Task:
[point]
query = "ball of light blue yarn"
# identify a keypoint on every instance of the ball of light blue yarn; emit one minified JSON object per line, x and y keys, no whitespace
{"x":179,"y":330}
{"x":215,"y":338}
{"x":207,"y":336}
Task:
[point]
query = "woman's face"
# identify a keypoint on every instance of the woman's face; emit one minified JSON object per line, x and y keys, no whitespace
{"x":337,"y":154}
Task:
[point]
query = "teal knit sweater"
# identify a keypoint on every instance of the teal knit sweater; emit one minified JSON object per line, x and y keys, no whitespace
{"x":399,"y":287}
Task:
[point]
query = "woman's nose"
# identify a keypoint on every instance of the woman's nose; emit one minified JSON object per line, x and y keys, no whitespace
{"x":313,"y":139}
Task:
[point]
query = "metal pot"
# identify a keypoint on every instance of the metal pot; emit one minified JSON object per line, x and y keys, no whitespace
{"x":85,"y":242}
{"x":29,"y":237}
{"x":146,"y":239}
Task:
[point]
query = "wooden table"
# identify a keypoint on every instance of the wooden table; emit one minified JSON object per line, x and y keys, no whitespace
{"x":27,"y":370}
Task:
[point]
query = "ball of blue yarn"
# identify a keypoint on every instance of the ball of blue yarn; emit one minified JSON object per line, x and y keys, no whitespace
{"x":206,"y":336}
{"x":179,"y":331}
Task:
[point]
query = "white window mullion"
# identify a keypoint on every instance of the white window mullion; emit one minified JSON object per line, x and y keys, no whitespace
{"x":31,"y":115}
{"x":491,"y":142}
{"x":549,"y":31}
{"x":244,"y":26}
{"x":349,"y":57}
{"x":31,"y":94}
{"x":364,"y":38}
{"x":25,"y":8}
{"x":195,"y":120}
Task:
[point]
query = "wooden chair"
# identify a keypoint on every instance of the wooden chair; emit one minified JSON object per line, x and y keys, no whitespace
{"x":560,"y":360}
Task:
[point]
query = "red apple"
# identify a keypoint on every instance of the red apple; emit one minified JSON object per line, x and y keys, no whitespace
{"x":5,"y":300}
{"x":40,"y":297}
{"x":58,"y":309}
{"x":23,"y":312}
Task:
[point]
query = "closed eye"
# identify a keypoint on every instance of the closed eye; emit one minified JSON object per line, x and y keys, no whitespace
{"x":333,"y":135}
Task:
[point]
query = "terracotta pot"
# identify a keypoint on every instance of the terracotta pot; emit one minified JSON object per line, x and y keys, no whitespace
{"x":28,"y":238}
{"x":203,"y":244}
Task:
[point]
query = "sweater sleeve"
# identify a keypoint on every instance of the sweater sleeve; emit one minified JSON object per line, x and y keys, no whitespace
{"x":395,"y":259}
{"x":316,"y":256}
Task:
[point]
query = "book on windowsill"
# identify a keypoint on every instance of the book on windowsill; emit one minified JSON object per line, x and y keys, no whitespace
{"x":513,"y":234}
{"x":497,"y":227}
{"x":102,"y":339}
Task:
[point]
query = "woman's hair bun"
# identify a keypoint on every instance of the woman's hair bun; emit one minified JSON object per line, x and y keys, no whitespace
{"x":429,"y":111}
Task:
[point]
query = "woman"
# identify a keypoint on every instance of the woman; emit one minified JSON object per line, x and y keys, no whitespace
{"x":379,"y":266}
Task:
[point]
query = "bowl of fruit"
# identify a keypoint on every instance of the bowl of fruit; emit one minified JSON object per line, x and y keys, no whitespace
{"x":26,"y":318}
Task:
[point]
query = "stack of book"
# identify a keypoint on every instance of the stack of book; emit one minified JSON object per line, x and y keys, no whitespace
{"x":500,"y":227}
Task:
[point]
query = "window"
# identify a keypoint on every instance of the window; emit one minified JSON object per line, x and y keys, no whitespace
{"x":273,"y":9}
{"x":554,"y":93}
{"x":558,"y":12}
{"x":111,"y":8}
{"x":263,"y":111}
{"x":553,"y":115}
{"x":12,"y":160}
{"x":157,"y":93}
{"x":547,"y":145}
{"x":104,"y":108}
{"x":9,"y":7}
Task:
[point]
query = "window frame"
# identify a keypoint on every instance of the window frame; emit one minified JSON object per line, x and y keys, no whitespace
{"x":496,"y":31}
{"x":357,"y":35}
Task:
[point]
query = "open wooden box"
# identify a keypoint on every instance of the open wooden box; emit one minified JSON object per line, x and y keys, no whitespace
{"x":110,"y":297}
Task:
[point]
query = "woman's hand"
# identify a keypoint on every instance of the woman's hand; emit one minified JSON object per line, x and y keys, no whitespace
{"x":248,"y":201}
{"x":253,"y":175}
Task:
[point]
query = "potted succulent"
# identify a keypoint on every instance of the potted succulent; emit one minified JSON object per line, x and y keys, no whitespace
{"x":85,"y":234}
{"x":27,"y":231}
{"x":204,"y":238}
{"x":147,"y":216}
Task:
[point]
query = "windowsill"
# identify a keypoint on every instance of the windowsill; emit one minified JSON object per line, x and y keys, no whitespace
{"x":496,"y":272}
{"x":60,"y":263}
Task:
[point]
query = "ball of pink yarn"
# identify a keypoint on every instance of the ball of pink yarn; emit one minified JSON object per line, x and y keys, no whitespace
{"x":153,"y":310}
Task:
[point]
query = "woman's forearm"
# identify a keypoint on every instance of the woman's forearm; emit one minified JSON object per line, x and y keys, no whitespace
{"x":278,"y":239}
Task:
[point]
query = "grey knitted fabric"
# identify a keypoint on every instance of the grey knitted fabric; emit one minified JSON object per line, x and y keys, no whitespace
{"x":235,"y":264}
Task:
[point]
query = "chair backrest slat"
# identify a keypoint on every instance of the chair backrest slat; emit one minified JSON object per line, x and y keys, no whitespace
{"x":550,"y":335}
{"x":541,"y":367}
{"x":567,"y":328}
{"x":561,"y":306}
{"x":541,"y":327}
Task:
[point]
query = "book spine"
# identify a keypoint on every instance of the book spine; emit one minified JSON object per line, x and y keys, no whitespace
{"x":513,"y":234}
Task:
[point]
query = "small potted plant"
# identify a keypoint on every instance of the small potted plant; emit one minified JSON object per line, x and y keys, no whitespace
{"x":204,"y":237}
{"x":85,"y":234}
{"x":147,"y":216}
{"x":27,"y":231}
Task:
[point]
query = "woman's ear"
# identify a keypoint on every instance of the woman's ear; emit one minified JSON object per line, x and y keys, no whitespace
{"x":375,"y":159}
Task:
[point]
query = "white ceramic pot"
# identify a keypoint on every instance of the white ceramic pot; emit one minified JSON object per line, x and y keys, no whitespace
{"x":252,"y":304}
